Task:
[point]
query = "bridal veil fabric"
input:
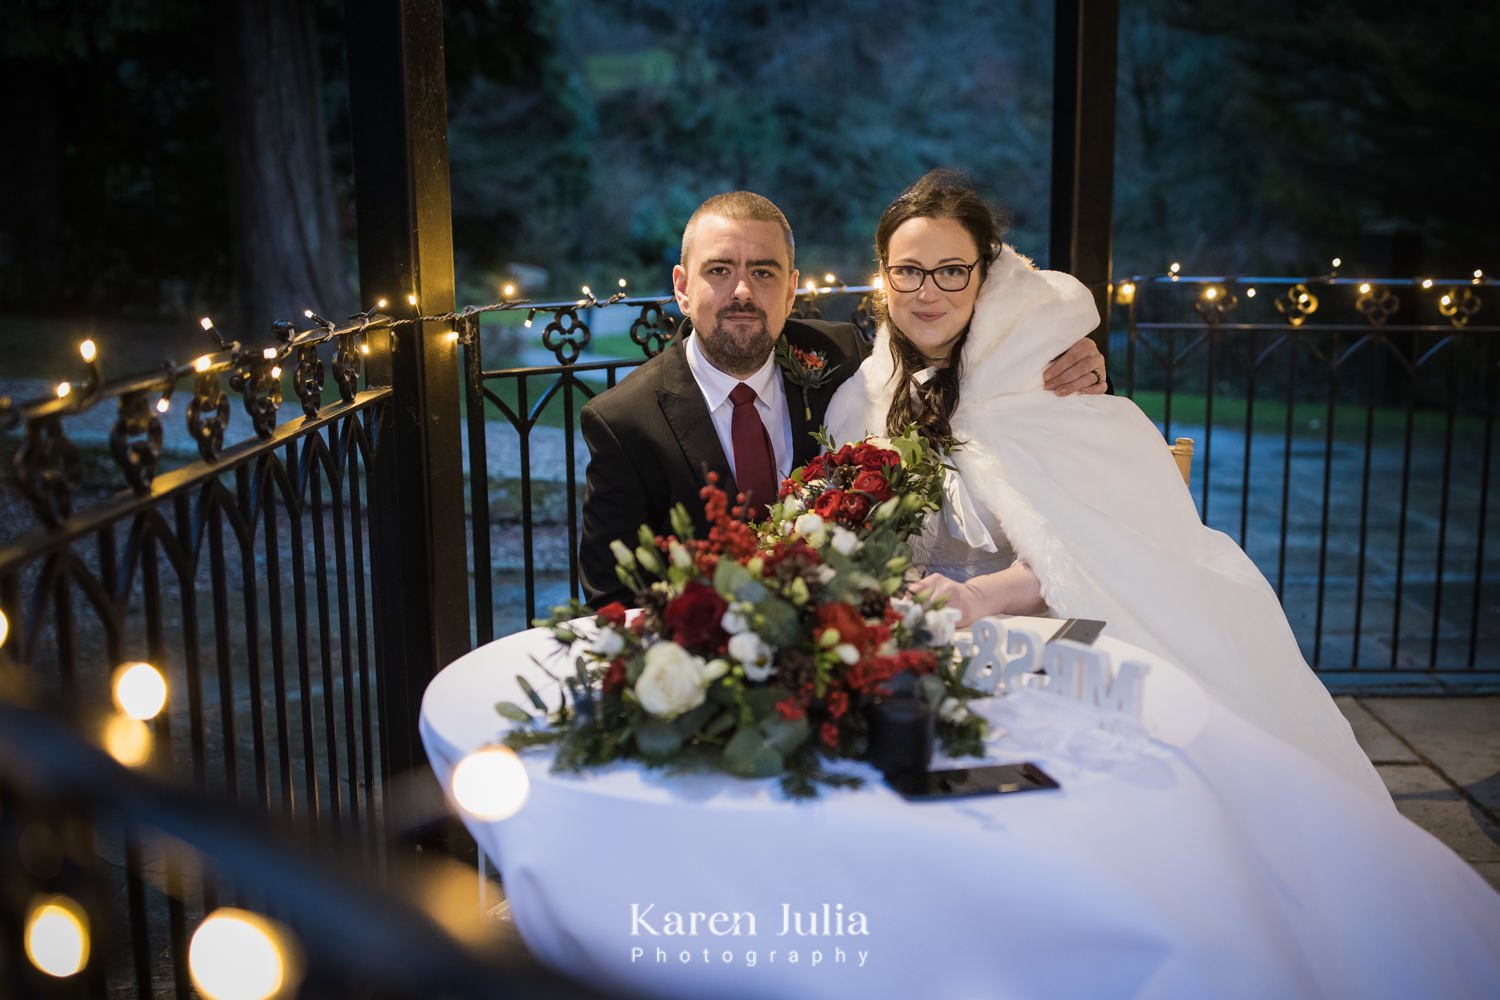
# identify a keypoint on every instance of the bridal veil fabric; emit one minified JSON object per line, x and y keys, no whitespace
{"x":1090,"y":498}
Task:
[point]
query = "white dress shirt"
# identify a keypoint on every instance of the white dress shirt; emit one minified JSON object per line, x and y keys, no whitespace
{"x":770,"y":403}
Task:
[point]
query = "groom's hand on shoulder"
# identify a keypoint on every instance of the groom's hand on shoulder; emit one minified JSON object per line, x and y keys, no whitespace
{"x":1081,"y":368}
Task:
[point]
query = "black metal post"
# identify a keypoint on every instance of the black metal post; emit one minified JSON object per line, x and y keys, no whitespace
{"x":1083,"y":146}
{"x":398,"y":107}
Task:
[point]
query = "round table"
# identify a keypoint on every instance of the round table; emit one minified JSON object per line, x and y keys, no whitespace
{"x":1199,"y":857}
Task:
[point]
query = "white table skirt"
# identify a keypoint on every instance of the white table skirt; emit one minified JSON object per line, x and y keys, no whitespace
{"x":1209,"y":860}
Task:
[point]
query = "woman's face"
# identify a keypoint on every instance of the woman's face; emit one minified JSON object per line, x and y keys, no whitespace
{"x":932,"y":318}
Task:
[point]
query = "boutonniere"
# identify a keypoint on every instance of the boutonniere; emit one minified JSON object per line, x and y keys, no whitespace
{"x":808,"y":369}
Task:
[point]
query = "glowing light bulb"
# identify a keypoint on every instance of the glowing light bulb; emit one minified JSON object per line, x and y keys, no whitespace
{"x":63,"y":388}
{"x":307,"y":313}
{"x":238,"y":955}
{"x":1364,"y":288}
{"x":829,"y":279}
{"x":1210,"y":293}
{"x":206,"y":323}
{"x":1175,"y":268}
{"x":1250,"y":293}
{"x":411,"y":300}
{"x":812,"y":286}
{"x":876,"y":281}
{"x":163,"y":405}
{"x":508,"y":290}
{"x":491,"y":783}
{"x":381,"y":303}
{"x":1446,"y":300}
{"x":276,"y":371}
{"x":57,"y":936}
{"x":451,"y":336}
{"x":88,"y":350}
{"x":622,"y":282}
{"x":364,"y":348}
{"x":140,"y":691}
{"x":269,"y":354}
{"x":1426,"y":282}
{"x":127,"y":740}
{"x":1338,"y":262}
{"x":204,"y":363}
{"x":527,"y":324}
{"x":4,"y":627}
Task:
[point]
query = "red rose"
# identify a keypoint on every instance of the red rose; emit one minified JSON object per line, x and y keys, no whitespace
{"x":612,"y":613}
{"x":874,"y":483}
{"x":614,"y":677}
{"x":816,"y":469}
{"x":844,"y":456}
{"x":827,"y":505}
{"x":694,"y":616}
{"x":853,"y":508}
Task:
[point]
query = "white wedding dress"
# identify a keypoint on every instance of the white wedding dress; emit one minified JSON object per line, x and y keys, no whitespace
{"x":1085,"y":491}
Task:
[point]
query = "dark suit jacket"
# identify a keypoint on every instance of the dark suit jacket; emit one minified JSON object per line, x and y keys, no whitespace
{"x":651,"y":443}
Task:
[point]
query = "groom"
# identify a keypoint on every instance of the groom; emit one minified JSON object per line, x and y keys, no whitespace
{"x":715,"y":400}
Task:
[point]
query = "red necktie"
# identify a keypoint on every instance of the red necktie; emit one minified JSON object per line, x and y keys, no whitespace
{"x":754,"y":462}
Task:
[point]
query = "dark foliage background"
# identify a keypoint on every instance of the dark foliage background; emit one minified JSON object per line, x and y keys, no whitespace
{"x":1251,"y":138}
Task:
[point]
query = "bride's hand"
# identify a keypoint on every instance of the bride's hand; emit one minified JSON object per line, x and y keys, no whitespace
{"x":1012,"y":591}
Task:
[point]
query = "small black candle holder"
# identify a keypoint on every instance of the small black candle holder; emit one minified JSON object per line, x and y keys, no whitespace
{"x":902,"y":732}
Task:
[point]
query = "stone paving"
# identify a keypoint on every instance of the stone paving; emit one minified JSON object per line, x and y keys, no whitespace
{"x":1440,"y":758}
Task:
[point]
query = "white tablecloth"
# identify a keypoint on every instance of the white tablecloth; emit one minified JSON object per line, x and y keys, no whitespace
{"x":1201,"y":858}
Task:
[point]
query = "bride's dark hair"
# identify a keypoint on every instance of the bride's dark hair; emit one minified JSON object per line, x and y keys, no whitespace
{"x":940,"y":194}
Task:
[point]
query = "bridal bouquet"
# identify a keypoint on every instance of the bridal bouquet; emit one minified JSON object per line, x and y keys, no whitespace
{"x":757,"y":649}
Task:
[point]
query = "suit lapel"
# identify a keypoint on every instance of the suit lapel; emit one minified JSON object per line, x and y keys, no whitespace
{"x":682,"y":406}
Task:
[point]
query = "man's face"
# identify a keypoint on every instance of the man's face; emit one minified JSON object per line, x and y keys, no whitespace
{"x":737,"y":286}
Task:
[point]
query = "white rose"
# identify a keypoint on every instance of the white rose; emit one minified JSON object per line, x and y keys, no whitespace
{"x":609,"y":644}
{"x":942,"y":625}
{"x":952,"y":710}
{"x":845,"y":541}
{"x":672,"y":681}
{"x":735,"y":620}
{"x":813,"y":528}
{"x":754,"y":653}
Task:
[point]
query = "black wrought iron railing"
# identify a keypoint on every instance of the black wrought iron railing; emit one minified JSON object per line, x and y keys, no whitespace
{"x":1345,"y":434}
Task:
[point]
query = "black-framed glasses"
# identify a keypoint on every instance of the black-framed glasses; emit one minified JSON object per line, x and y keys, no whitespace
{"x":948,"y":277}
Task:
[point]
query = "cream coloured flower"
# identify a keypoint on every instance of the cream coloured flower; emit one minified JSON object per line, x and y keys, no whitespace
{"x":754,"y":654}
{"x":845,"y":541}
{"x":813,"y":528}
{"x":672,"y":681}
{"x":942,"y":625}
{"x":736,"y":619}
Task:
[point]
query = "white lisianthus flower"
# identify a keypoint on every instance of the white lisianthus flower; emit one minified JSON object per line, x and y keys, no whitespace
{"x":736,"y":619}
{"x":952,"y":710}
{"x":672,"y":681}
{"x":845,"y":541}
{"x":754,"y":654}
{"x":609,"y":644}
{"x":883,"y":443}
{"x":681,"y":557}
{"x":792,"y":506}
{"x":826,"y":574}
{"x":910,"y":611}
{"x":622,"y":554}
{"x":715,"y":668}
{"x":942,"y":625}
{"x":813,"y":528}
{"x":847,"y":653}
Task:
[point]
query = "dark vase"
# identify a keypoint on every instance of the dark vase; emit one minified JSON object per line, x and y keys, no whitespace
{"x":902,"y":730}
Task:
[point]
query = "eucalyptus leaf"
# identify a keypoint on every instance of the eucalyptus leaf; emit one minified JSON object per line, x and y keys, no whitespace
{"x":785,"y":735}
{"x":781,"y":626}
{"x":748,"y":755}
{"x":531,"y":694}
{"x":513,"y":711}
{"x":657,"y":739}
{"x":729,"y":577}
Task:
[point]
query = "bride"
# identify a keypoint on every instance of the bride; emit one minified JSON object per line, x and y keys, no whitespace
{"x":1069,"y":505}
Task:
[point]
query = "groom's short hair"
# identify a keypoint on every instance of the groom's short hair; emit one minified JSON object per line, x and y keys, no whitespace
{"x":742,"y":206}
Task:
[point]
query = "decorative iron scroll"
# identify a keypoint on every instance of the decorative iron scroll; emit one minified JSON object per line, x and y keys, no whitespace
{"x":1216,"y":303}
{"x":1297,"y":304}
{"x":136,"y":459}
{"x":1377,"y":304}
{"x":307,"y":379}
{"x":566,"y":335}
{"x":1459,"y":307}
{"x":208,"y":415}
{"x":47,"y":464}
{"x":258,"y":380}
{"x":652,"y":329}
